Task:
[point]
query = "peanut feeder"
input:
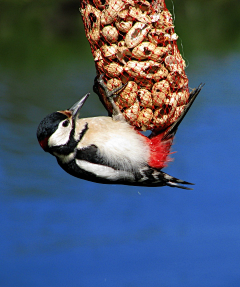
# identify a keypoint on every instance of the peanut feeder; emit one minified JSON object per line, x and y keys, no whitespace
{"x":134,"y":41}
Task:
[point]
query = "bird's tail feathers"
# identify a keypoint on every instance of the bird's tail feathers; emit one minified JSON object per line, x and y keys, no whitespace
{"x":154,"y":177}
{"x":175,"y":182}
{"x":171,"y":131}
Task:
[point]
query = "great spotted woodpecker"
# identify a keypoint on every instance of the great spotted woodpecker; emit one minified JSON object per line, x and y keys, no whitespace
{"x":108,"y":149}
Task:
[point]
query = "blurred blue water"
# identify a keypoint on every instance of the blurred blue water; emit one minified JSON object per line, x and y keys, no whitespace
{"x":57,"y":230}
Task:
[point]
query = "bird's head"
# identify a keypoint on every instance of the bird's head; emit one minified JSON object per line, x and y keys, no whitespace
{"x":56,"y":129}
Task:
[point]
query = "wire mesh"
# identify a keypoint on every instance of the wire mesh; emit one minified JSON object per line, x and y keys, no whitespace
{"x":134,"y":42}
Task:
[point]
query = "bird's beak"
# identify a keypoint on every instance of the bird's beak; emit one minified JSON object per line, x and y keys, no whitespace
{"x":77,"y":106}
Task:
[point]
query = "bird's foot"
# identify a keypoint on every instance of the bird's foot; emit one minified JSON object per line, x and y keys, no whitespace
{"x":109,"y":94}
{"x":117,"y":115}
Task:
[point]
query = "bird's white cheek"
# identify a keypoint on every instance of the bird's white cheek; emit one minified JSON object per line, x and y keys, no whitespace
{"x":60,"y":136}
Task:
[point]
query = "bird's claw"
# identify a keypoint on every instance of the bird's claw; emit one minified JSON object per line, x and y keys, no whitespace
{"x":109,"y":94}
{"x":117,"y":115}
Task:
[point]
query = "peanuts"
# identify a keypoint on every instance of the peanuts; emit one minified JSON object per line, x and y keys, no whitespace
{"x":124,"y":26}
{"x":145,"y":117}
{"x":129,"y":94}
{"x":145,"y":98}
{"x":113,"y":69}
{"x":109,"y":51}
{"x":110,"y":13}
{"x":131,"y":114}
{"x":160,"y":92}
{"x":110,"y":33}
{"x":91,"y":17}
{"x":136,"y":34}
{"x":143,"y":50}
{"x":133,"y":42}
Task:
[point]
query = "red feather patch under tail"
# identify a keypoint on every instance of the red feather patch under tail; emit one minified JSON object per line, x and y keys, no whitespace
{"x":159,"y":151}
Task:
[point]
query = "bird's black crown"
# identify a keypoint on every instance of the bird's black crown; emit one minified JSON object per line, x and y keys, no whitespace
{"x":49,"y":125}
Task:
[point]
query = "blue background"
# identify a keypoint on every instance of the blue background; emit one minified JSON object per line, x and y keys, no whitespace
{"x":56,"y":230}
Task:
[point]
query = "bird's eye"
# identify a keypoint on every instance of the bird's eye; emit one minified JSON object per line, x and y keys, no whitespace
{"x":65,"y":123}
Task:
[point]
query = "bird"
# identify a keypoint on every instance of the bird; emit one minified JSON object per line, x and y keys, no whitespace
{"x":107,"y":149}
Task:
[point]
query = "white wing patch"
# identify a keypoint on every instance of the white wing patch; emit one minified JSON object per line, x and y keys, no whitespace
{"x":105,"y":171}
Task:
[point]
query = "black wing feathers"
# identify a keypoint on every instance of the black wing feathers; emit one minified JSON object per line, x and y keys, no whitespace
{"x":90,"y":154}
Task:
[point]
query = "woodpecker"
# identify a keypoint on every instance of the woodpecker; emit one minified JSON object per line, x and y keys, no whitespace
{"x":107,"y":149}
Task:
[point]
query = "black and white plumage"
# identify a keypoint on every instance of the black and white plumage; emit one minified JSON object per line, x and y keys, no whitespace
{"x":107,"y":149}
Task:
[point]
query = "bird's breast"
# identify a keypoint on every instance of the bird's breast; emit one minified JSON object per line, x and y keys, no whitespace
{"x":117,"y":141}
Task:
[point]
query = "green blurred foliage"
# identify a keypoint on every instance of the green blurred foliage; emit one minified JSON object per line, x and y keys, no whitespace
{"x":208,"y":25}
{"x":37,"y":33}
